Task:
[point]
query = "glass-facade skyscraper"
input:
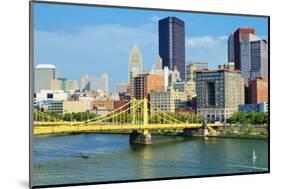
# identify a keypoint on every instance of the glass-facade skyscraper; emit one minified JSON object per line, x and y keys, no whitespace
{"x":172,"y":44}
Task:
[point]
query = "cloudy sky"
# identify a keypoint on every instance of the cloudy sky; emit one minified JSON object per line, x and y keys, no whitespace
{"x":96,"y":40}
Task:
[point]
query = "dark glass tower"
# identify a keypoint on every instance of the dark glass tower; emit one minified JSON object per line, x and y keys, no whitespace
{"x":172,"y":44}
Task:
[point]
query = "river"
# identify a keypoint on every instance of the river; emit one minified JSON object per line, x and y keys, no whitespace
{"x":80,"y":158}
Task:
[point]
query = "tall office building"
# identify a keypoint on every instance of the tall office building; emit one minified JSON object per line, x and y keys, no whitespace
{"x":100,"y":83}
{"x":58,"y":84}
{"x":230,"y":50}
{"x":259,"y":59}
{"x":85,"y":83}
{"x":219,"y":92}
{"x":191,"y":69}
{"x":239,"y":50}
{"x":43,"y":74}
{"x":172,"y":44}
{"x":135,"y":66}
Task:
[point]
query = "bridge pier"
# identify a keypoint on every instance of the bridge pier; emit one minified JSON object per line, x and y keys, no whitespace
{"x":202,"y":131}
{"x":140,"y":138}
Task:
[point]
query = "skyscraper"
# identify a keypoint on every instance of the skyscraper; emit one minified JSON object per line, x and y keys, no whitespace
{"x":230,"y":50}
{"x":100,"y":83}
{"x":85,"y":82}
{"x":43,"y":74}
{"x":172,"y":44}
{"x":135,"y":66}
{"x":259,"y":59}
{"x":239,"y":50}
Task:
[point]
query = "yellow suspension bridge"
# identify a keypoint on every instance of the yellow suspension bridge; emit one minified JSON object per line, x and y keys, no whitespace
{"x":135,"y":115}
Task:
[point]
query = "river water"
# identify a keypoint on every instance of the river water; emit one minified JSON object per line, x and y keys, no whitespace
{"x":84,"y":158}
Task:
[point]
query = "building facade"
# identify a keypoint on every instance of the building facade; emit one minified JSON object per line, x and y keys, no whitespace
{"x":43,"y":74}
{"x":240,"y":51}
{"x":185,"y":86}
{"x":191,"y":69}
{"x":172,"y":44}
{"x":258,"y":90}
{"x":74,"y":106}
{"x":219,"y":92}
{"x":168,"y":101}
{"x":260,"y":107}
{"x":259,"y":59}
{"x":135,"y":66}
{"x":145,"y":83}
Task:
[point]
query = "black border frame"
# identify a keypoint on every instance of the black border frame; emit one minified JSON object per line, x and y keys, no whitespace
{"x":31,"y":63}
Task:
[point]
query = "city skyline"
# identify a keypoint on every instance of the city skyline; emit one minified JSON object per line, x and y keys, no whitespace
{"x":69,"y":43}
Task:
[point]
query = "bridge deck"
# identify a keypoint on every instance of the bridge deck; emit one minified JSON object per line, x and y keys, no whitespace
{"x":60,"y":127}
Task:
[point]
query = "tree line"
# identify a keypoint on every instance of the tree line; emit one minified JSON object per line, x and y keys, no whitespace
{"x":249,"y":118}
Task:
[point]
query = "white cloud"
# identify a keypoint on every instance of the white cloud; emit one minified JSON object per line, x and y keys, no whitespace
{"x":205,"y":41}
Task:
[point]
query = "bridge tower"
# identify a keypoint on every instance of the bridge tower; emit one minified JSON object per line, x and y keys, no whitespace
{"x":144,"y":137}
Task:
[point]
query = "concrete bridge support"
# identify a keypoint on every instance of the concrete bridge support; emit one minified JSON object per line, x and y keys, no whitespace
{"x":202,"y":131}
{"x":143,"y":137}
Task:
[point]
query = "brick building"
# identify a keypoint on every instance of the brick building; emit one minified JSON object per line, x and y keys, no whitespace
{"x":258,"y":90}
{"x":145,"y":83}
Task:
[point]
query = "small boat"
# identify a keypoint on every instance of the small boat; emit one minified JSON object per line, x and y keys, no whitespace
{"x":84,"y":156}
{"x":254,"y":155}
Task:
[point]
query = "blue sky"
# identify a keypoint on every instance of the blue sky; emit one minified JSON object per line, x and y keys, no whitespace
{"x":96,"y":40}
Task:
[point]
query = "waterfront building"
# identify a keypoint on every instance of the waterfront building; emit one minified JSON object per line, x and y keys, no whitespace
{"x":258,"y":90}
{"x":71,"y":85}
{"x":191,"y":69}
{"x":85,"y":83}
{"x":260,"y":107}
{"x":50,"y":106}
{"x":162,"y":101}
{"x":74,"y":106}
{"x":145,"y":83}
{"x":219,"y":92}
{"x":43,"y":74}
{"x":259,"y":59}
{"x":168,"y":101}
{"x":240,"y":50}
{"x":172,"y":44}
{"x":100,"y":83}
{"x":135,"y":66}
